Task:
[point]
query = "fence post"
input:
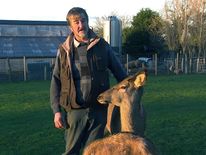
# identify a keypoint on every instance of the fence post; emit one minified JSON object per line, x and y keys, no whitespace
{"x":24,"y":60}
{"x":182,"y":64}
{"x":197,"y":65}
{"x":127,"y":63}
{"x":45,"y":72}
{"x":155,"y":63}
{"x":177,"y":64}
{"x":9,"y":68}
{"x":190,"y":66}
{"x":186,"y":63}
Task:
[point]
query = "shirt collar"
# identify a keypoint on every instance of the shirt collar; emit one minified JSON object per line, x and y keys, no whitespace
{"x":76,"y":43}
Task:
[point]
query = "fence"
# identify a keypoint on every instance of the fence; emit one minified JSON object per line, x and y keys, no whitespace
{"x":40,"y":68}
{"x":26,"y":68}
{"x":177,"y":65}
{"x":181,"y":65}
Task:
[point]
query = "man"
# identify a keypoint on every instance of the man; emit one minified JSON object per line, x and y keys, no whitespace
{"x":80,"y":74}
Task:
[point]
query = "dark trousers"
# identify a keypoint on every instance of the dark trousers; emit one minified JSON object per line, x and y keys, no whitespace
{"x":84,"y":126}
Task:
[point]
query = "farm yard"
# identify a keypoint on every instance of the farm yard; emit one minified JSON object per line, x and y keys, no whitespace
{"x":175,"y":106}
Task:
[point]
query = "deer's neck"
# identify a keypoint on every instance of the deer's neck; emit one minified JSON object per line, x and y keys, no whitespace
{"x":127,"y":121}
{"x":131,"y":116}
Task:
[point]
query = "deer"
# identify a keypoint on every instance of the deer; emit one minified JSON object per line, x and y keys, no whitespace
{"x":125,"y":111}
{"x":127,"y":136}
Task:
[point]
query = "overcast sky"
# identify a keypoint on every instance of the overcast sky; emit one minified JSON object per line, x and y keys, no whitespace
{"x":56,"y":10}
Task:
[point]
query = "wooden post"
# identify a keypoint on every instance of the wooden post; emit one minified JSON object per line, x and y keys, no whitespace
{"x":155,"y":63}
{"x":182,"y":64}
{"x":197,"y":65}
{"x":186,"y":64}
{"x":45,"y":73}
{"x":127,"y":64}
{"x":190,"y":65}
{"x":177,"y":64}
{"x":24,"y":60}
{"x":9,"y":69}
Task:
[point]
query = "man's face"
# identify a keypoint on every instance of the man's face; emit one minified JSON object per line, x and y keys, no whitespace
{"x":79,"y":26}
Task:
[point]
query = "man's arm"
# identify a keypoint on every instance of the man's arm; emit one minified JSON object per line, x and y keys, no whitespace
{"x":55,"y":87}
{"x":115,"y":65}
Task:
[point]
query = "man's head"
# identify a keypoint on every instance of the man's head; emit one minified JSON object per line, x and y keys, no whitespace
{"x":77,"y":20}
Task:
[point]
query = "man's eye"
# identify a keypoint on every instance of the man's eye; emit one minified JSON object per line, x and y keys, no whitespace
{"x":76,"y":22}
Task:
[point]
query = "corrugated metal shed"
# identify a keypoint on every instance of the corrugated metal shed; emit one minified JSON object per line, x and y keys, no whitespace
{"x":29,"y":46}
{"x":31,"y":38}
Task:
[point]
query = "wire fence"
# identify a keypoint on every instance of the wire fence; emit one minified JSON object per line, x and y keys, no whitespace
{"x":177,"y":65}
{"x":40,"y":68}
{"x":26,"y":68}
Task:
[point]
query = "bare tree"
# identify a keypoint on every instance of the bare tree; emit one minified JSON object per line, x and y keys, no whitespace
{"x":99,"y":25}
{"x":99,"y":22}
{"x":199,"y":24}
{"x":184,"y":27}
{"x":126,"y":21}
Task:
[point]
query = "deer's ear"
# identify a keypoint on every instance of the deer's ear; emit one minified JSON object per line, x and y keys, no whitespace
{"x":140,"y":80}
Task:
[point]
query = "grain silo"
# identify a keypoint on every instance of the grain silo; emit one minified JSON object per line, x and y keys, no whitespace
{"x":113,"y":33}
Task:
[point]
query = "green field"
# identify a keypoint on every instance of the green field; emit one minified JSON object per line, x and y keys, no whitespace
{"x":175,"y":105}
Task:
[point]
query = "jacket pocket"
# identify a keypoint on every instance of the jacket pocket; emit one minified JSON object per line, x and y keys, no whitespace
{"x":100,"y":63}
{"x":64,"y":101}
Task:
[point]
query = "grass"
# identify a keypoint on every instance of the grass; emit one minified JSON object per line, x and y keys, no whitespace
{"x":27,"y":121}
{"x":176,"y":113}
{"x":175,"y":105}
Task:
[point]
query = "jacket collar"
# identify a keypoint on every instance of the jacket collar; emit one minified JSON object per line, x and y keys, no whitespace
{"x":92,"y":41}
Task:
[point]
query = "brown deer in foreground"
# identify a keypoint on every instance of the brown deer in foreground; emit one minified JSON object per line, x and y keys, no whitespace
{"x":125,"y":98}
{"x":129,"y":140}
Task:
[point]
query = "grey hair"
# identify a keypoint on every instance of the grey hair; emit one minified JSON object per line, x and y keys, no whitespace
{"x":76,"y":11}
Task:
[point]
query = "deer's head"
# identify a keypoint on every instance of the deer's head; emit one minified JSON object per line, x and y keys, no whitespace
{"x":129,"y":90}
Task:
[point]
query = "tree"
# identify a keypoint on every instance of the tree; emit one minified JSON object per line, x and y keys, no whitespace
{"x":144,"y":36}
{"x":99,"y":25}
{"x":184,"y":27}
{"x":99,"y":22}
{"x":198,"y":19}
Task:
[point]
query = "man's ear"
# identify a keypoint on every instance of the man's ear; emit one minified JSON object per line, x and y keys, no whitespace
{"x":140,"y":80}
{"x":70,"y":28}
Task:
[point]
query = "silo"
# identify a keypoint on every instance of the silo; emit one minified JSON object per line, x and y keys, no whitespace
{"x":113,"y":33}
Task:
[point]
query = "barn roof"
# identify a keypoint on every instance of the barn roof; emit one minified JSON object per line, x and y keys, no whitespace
{"x":29,"y":46}
{"x":31,"y":38}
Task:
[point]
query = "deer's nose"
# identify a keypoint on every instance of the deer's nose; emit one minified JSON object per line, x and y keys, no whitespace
{"x":99,"y":99}
{"x":102,"y":100}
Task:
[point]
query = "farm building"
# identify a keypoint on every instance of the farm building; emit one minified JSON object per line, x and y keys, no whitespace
{"x":28,"y":48}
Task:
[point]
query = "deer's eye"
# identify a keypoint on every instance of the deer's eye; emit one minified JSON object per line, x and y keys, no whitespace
{"x":123,"y":87}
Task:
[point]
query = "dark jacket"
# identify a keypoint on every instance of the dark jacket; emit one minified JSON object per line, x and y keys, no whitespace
{"x":100,"y":58}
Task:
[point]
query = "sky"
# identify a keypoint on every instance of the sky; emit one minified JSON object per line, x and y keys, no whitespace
{"x":56,"y":10}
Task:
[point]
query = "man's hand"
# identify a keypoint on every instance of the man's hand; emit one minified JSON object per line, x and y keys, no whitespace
{"x":58,"y":120}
